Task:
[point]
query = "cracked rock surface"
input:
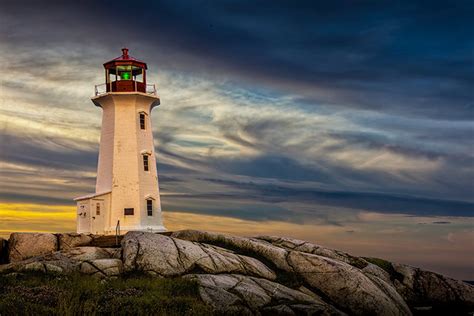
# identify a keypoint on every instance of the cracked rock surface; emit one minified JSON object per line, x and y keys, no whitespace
{"x":265,"y":275}
{"x":346,"y":286}
{"x":71,"y":240}
{"x":106,"y":262}
{"x":306,"y":247}
{"x":423,"y":288}
{"x":167,"y":256}
{"x":26,"y":245}
{"x":239,"y":293}
{"x":102,"y":267}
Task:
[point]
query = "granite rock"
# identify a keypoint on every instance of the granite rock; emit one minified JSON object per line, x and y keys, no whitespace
{"x":234,"y":293}
{"x":167,"y":256}
{"x":22,"y":246}
{"x":71,"y":240}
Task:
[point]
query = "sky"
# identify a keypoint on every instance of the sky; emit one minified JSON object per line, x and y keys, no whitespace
{"x":349,"y":124}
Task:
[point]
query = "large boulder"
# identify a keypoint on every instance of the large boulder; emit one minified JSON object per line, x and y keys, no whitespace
{"x":71,"y":261}
{"x":102,"y":268}
{"x":244,"y":295}
{"x":71,"y":240}
{"x":304,"y":246}
{"x":166,"y":256}
{"x":428,"y":290}
{"x":22,"y":246}
{"x":253,"y":247}
{"x":344,"y":285}
{"x":347,"y":286}
{"x":307,"y":247}
{"x":89,"y":253}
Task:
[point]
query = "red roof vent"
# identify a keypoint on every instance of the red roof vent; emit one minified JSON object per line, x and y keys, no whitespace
{"x":124,"y":53}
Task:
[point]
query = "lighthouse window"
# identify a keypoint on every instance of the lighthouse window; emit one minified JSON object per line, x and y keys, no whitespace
{"x":128,"y":211}
{"x":149,"y":207}
{"x":97,"y":209}
{"x":145,"y":162}
{"x":142,"y":120}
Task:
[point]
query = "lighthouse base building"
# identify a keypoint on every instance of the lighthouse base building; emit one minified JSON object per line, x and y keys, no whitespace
{"x":127,"y":195}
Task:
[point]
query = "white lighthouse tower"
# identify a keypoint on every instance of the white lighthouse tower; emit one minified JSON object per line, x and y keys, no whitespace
{"x":126,"y":194}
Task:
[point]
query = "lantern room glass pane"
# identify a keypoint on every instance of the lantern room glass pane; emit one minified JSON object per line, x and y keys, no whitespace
{"x":124,"y":72}
{"x":137,"y":74}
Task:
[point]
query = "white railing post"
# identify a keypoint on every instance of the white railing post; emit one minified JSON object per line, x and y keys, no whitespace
{"x":98,"y":88}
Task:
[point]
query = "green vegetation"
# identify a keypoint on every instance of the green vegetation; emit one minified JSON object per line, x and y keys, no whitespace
{"x":387,"y":266}
{"x":39,"y":294}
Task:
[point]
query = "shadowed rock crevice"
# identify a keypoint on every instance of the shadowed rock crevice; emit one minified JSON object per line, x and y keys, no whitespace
{"x":3,"y":251}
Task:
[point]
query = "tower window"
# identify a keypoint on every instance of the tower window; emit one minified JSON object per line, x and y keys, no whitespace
{"x":97,"y":209}
{"x":149,"y":207}
{"x":142,"y":121}
{"x":128,"y":211}
{"x":145,"y":162}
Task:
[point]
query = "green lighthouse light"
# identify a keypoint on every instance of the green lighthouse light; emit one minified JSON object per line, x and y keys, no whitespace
{"x":125,"y":76}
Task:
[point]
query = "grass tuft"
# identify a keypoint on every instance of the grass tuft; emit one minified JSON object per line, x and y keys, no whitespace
{"x":41,"y":294}
{"x":387,"y":266}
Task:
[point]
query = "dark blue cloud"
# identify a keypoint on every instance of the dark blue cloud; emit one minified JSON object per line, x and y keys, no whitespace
{"x":376,"y":202}
{"x":277,"y":167}
{"x":46,"y":152}
{"x":411,"y":58}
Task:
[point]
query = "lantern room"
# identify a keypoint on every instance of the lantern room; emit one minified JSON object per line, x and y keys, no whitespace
{"x":125,"y":74}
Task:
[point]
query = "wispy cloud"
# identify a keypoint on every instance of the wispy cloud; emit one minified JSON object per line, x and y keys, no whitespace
{"x":298,"y":113}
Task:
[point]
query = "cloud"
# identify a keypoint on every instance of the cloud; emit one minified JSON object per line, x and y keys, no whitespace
{"x":383,"y":57}
{"x":320,"y":119}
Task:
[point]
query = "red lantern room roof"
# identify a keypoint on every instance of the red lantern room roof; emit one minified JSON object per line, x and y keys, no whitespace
{"x":125,"y":59}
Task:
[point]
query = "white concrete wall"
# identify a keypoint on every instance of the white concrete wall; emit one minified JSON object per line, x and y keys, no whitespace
{"x":106,"y":150}
{"x":120,"y":167}
{"x":148,"y":179}
{"x":88,"y":221}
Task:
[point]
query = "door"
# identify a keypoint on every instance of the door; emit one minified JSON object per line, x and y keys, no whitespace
{"x":97,"y":216}
{"x":83,"y":217}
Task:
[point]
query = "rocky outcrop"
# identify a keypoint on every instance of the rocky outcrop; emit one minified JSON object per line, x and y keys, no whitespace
{"x":22,"y":246}
{"x":422,"y":288}
{"x":71,"y":240}
{"x":345,"y":286}
{"x":265,"y":275}
{"x":166,"y":256}
{"x":102,"y":267}
{"x":233,"y":293}
{"x":306,"y":247}
{"x":95,"y":261}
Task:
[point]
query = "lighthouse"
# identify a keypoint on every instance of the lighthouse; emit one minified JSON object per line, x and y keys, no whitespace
{"x":126,"y":195}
